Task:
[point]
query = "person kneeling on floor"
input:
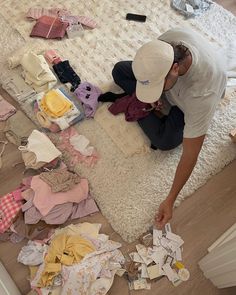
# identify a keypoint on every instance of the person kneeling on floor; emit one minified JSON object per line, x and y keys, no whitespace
{"x":183,"y":72}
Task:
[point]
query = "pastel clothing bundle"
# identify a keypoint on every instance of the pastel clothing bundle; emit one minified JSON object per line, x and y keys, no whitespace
{"x":59,"y":214}
{"x":56,"y":110}
{"x":55,"y":104}
{"x":65,"y":144}
{"x":49,"y":27}
{"x":88,"y":94}
{"x":133,"y":108}
{"x":37,"y":73}
{"x":79,"y":261}
{"x":6,"y":109}
{"x":64,"y":249}
{"x":45,"y":199}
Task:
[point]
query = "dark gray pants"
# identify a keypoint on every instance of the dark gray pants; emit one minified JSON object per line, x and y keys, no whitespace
{"x":164,"y":133}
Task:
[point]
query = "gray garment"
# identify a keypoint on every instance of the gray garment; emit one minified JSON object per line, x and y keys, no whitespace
{"x":200,"y":89}
{"x":191,"y":8}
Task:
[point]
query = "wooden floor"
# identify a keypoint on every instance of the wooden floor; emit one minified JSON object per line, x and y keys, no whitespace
{"x":199,"y":220}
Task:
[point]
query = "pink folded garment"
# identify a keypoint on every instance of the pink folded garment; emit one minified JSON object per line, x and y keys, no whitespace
{"x":60,"y":213}
{"x":45,"y":199}
{"x":49,"y":27}
{"x":6,"y":109}
{"x":75,"y":156}
{"x":36,"y":13}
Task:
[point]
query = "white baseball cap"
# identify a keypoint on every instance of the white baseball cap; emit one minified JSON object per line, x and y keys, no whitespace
{"x":151,"y":64}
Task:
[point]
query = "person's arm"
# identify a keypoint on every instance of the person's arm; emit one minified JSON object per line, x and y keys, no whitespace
{"x":191,"y":149}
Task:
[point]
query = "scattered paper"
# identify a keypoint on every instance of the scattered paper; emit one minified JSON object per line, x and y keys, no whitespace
{"x":154,"y":271}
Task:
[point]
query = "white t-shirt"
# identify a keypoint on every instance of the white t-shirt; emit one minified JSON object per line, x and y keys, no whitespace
{"x":197,"y":92}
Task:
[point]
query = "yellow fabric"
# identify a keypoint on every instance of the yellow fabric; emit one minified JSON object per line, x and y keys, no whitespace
{"x":64,"y":249}
{"x":33,"y":270}
{"x":89,"y":229}
{"x":55,"y":104}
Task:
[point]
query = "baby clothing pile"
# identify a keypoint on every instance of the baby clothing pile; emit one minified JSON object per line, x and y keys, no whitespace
{"x":53,"y":197}
{"x":54,"y":23}
{"x":36,"y":84}
{"x":57,"y":196}
{"x":56,"y":110}
{"x":76,"y":260}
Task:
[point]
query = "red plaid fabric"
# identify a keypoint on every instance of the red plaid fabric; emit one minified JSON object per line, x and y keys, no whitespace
{"x":9,"y":208}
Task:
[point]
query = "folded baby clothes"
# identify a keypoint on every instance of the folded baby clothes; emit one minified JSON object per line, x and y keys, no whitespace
{"x":55,"y":104}
{"x":6,"y":109}
{"x":9,"y":209}
{"x":60,"y":180}
{"x":45,"y":199}
{"x":37,"y":12}
{"x":133,"y":108}
{"x":37,"y":72}
{"x":65,"y":74}
{"x":49,"y":27}
{"x":88,"y":94}
{"x":52,"y":56}
{"x":63,"y":144}
{"x":59,"y":214}
{"x":16,"y":86}
{"x":74,"y":115}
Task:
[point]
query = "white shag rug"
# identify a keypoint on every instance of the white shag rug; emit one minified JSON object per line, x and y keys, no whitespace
{"x":128,"y":190}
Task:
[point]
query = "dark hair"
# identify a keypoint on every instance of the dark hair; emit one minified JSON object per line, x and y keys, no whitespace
{"x":180,"y":52}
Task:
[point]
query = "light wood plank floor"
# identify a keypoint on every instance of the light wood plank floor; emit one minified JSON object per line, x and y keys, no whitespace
{"x":199,"y":220}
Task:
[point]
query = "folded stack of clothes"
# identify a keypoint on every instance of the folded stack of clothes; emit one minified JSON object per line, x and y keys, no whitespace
{"x":52,"y":197}
{"x":56,"y":110}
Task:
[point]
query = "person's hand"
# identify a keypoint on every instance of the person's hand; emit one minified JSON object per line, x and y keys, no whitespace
{"x":164,"y":213}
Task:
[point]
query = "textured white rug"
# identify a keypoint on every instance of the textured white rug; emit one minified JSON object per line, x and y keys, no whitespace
{"x":129,"y":190}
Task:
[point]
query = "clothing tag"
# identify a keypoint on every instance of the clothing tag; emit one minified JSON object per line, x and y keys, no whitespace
{"x":175,"y":238}
{"x":144,"y":272}
{"x":141,"y":284}
{"x":154,"y":271}
{"x":170,"y":273}
{"x":143,"y":252}
{"x":136,"y":257}
{"x":157,"y":234}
